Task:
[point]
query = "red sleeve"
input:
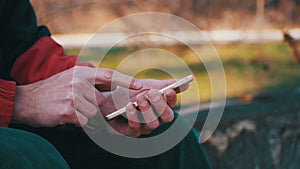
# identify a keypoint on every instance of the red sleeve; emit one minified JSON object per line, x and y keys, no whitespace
{"x":7,"y":98}
{"x":44,"y":59}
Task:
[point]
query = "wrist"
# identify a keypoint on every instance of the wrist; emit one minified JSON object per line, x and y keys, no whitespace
{"x":7,"y":96}
{"x":16,"y":115}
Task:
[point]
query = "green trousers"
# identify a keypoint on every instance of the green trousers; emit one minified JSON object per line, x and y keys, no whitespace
{"x":24,"y":150}
{"x":81,"y":152}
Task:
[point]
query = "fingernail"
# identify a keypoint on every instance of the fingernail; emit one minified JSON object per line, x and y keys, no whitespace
{"x":142,"y":101}
{"x":137,"y":84}
{"x":154,"y":97}
{"x":108,"y":74}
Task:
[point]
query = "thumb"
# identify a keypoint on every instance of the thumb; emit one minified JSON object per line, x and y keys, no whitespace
{"x":114,"y":78}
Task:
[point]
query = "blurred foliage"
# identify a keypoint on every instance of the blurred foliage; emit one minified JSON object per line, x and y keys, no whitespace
{"x":248,"y":67}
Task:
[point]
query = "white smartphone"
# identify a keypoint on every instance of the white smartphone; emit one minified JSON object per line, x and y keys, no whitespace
{"x":174,"y":85}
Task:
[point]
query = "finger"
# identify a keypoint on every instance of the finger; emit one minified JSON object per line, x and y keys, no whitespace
{"x":86,"y":89}
{"x":171,"y":97}
{"x":78,"y":63}
{"x":114,"y":79}
{"x":132,"y":133}
{"x":181,"y":88}
{"x":100,"y":99}
{"x":132,"y":116}
{"x":84,"y":106}
{"x":88,"y":74}
{"x":80,"y":120}
{"x":150,"y":120}
{"x":123,"y":128}
{"x":107,"y":77}
{"x":159,"y":103}
{"x":167,"y":116}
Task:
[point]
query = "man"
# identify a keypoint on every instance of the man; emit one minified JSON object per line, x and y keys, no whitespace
{"x":41,"y":87}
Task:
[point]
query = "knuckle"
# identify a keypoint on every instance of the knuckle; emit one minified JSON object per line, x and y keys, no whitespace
{"x":171,"y":94}
{"x":67,"y":112}
{"x":162,"y":108}
{"x":93,"y":113}
{"x":69,"y":96}
{"x":130,"y":109}
{"x":69,"y":115}
{"x":153,"y":95}
{"x":65,"y":117}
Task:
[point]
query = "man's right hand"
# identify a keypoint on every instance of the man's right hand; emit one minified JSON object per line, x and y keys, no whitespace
{"x":69,"y":97}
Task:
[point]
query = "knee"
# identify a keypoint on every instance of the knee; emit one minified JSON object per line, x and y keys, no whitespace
{"x":21,"y":149}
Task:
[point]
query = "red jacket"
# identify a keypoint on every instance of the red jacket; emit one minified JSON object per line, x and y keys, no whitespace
{"x":44,"y":59}
{"x":27,"y":53}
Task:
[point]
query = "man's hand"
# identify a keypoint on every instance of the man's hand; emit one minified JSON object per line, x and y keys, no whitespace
{"x":155,"y":109}
{"x":68,"y":97}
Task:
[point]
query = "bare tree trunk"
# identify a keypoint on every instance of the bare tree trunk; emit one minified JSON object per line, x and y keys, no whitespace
{"x":260,"y":11}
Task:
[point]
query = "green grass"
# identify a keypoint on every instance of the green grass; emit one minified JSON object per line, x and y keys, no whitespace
{"x":248,"y":67}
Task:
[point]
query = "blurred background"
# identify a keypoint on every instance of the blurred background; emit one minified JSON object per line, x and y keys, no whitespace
{"x":75,"y":16}
{"x":258,"y":42}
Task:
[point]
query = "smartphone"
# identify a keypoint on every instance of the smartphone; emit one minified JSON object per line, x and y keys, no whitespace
{"x":174,"y":85}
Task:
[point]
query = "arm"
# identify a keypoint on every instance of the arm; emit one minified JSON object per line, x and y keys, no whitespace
{"x":7,"y":97}
{"x":46,"y":96}
{"x":22,"y":42}
{"x":68,"y":97}
{"x":27,"y":53}
{"x":18,"y":32}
